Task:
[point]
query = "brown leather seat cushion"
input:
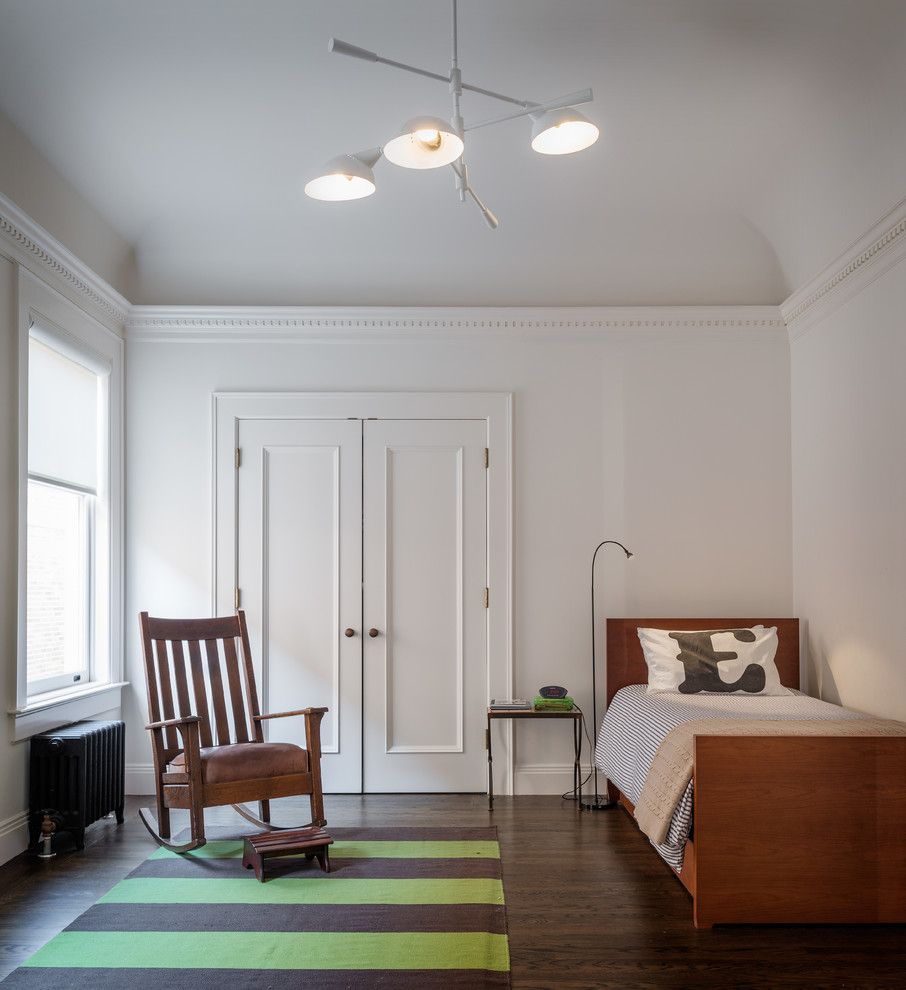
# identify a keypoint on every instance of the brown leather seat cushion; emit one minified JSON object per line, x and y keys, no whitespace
{"x":246,"y":761}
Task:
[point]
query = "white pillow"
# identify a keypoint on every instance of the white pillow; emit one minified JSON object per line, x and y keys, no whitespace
{"x":715,"y":661}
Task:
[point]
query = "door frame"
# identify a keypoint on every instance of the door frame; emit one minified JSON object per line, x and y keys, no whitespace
{"x":495,"y":408}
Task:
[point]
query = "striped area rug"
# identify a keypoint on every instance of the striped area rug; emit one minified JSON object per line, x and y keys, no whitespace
{"x":402,"y":908}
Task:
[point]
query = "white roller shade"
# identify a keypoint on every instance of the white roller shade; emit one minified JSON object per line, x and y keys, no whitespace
{"x":62,"y":418}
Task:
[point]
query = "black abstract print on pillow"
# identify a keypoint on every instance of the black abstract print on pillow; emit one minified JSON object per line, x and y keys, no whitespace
{"x":700,"y":660}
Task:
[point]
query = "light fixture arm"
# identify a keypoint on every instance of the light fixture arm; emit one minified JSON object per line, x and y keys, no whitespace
{"x":369,"y":157}
{"x":465,"y":188}
{"x":339,"y":47}
{"x":570,"y":100}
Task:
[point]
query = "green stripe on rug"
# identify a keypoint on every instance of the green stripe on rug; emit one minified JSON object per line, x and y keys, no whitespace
{"x":275,"y":950}
{"x":322,"y":889}
{"x":371,"y":849}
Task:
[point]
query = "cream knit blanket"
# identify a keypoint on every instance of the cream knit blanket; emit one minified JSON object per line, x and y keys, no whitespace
{"x":671,"y":769}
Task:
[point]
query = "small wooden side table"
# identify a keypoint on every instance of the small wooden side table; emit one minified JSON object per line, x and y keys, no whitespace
{"x":576,"y":717}
{"x":286,"y":842}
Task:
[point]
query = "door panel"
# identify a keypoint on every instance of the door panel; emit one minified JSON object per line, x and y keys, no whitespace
{"x":425,"y":550}
{"x":299,"y":568}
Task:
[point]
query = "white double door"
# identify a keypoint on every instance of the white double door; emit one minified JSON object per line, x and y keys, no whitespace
{"x":362,"y":563}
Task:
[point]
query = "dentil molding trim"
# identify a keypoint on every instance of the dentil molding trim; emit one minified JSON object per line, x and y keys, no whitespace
{"x":874,"y":253}
{"x":32,"y":246}
{"x":249,"y":324}
{"x":40,"y":252}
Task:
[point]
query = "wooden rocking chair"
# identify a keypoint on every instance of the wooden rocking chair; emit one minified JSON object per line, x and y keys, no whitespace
{"x":209,"y":752}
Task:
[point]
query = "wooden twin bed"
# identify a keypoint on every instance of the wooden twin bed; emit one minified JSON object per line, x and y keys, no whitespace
{"x":812,"y":831}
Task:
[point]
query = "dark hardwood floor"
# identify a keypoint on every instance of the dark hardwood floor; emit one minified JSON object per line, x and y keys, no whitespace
{"x":589,"y":902}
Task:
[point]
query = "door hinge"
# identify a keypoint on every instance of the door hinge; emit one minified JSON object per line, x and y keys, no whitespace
{"x":238,"y":457}
{"x":487,"y":595}
{"x":237,"y":599}
{"x":487,"y":457}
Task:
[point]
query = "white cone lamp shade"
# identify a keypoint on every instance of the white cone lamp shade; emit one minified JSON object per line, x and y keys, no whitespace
{"x":424,"y":142}
{"x":562,"y":132}
{"x":343,"y":177}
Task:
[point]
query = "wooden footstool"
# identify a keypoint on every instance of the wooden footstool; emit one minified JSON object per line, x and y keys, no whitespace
{"x":313,"y":842}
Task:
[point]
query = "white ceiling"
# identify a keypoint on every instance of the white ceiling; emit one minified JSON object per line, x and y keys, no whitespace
{"x":192,"y":125}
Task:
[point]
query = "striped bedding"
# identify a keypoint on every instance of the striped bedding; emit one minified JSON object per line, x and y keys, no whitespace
{"x":637,"y":722}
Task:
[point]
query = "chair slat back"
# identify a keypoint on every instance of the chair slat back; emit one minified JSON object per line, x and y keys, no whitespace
{"x":210,"y":679}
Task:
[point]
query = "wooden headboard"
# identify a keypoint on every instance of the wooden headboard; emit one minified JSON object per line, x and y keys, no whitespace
{"x":626,"y":664}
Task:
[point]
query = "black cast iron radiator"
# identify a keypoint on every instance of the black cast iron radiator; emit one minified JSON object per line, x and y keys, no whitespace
{"x":78,"y":775}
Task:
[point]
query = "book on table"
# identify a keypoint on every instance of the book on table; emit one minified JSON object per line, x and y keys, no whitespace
{"x":542,"y":704}
{"x":510,"y":705}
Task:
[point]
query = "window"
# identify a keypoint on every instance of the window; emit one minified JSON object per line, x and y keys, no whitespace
{"x":69,"y":656}
{"x":65,"y":593}
{"x":59,"y":579}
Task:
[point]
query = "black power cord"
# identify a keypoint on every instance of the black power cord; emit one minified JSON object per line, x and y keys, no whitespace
{"x":573,"y":793}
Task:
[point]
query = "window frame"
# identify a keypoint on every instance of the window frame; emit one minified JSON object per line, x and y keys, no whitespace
{"x":51,"y":318}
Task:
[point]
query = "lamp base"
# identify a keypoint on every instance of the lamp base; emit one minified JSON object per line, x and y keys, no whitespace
{"x":598,"y":803}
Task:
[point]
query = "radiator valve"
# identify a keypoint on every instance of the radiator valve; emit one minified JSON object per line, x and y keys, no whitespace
{"x":48,"y":828}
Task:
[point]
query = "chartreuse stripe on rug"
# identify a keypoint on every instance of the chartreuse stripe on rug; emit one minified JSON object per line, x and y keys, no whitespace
{"x":406,"y":908}
{"x":276,"y":950}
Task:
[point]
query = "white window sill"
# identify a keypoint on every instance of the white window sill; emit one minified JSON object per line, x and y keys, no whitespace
{"x":46,"y":712}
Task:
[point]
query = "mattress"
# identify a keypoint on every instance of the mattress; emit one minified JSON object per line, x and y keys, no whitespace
{"x":637,"y":722}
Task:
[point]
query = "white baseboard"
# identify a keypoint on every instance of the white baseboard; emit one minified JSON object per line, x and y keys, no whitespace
{"x":530,"y":778}
{"x":13,"y":836}
{"x":139,"y":778}
{"x":545,"y":778}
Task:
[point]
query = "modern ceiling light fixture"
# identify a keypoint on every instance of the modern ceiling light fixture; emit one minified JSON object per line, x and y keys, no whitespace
{"x":562,"y":132}
{"x":426,"y":142}
{"x":345,"y":177}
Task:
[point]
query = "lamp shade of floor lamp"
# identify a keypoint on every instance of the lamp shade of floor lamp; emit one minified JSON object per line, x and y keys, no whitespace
{"x":597,"y":802}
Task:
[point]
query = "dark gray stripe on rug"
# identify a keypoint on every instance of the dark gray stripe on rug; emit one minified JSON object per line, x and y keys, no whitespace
{"x":352,"y":869}
{"x":250,"y":979}
{"x":292,"y":918}
{"x":414,"y":833}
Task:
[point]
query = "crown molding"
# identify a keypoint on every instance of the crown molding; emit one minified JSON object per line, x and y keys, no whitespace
{"x":250,"y":324}
{"x":29,"y":244}
{"x":873,"y":254}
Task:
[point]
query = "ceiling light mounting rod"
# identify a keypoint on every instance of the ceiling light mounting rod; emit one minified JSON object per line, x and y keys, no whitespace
{"x":456,"y":91}
{"x":426,"y":142}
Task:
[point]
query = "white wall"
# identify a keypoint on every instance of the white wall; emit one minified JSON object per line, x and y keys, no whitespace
{"x":675,"y":441}
{"x":56,"y":205}
{"x":849,"y":496}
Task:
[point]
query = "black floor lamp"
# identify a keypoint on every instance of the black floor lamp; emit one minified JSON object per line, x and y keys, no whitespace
{"x":597,"y":803}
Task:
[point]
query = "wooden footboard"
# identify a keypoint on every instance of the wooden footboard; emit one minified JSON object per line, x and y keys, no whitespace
{"x":787,"y":829}
{"x":804,"y":829}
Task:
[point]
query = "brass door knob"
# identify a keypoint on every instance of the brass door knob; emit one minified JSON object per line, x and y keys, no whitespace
{"x":349,"y":632}
{"x":373,"y":632}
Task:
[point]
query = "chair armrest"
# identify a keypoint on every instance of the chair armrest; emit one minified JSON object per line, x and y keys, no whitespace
{"x":188,"y":728}
{"x":167,"y":723}
{"x":301,"y":711}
